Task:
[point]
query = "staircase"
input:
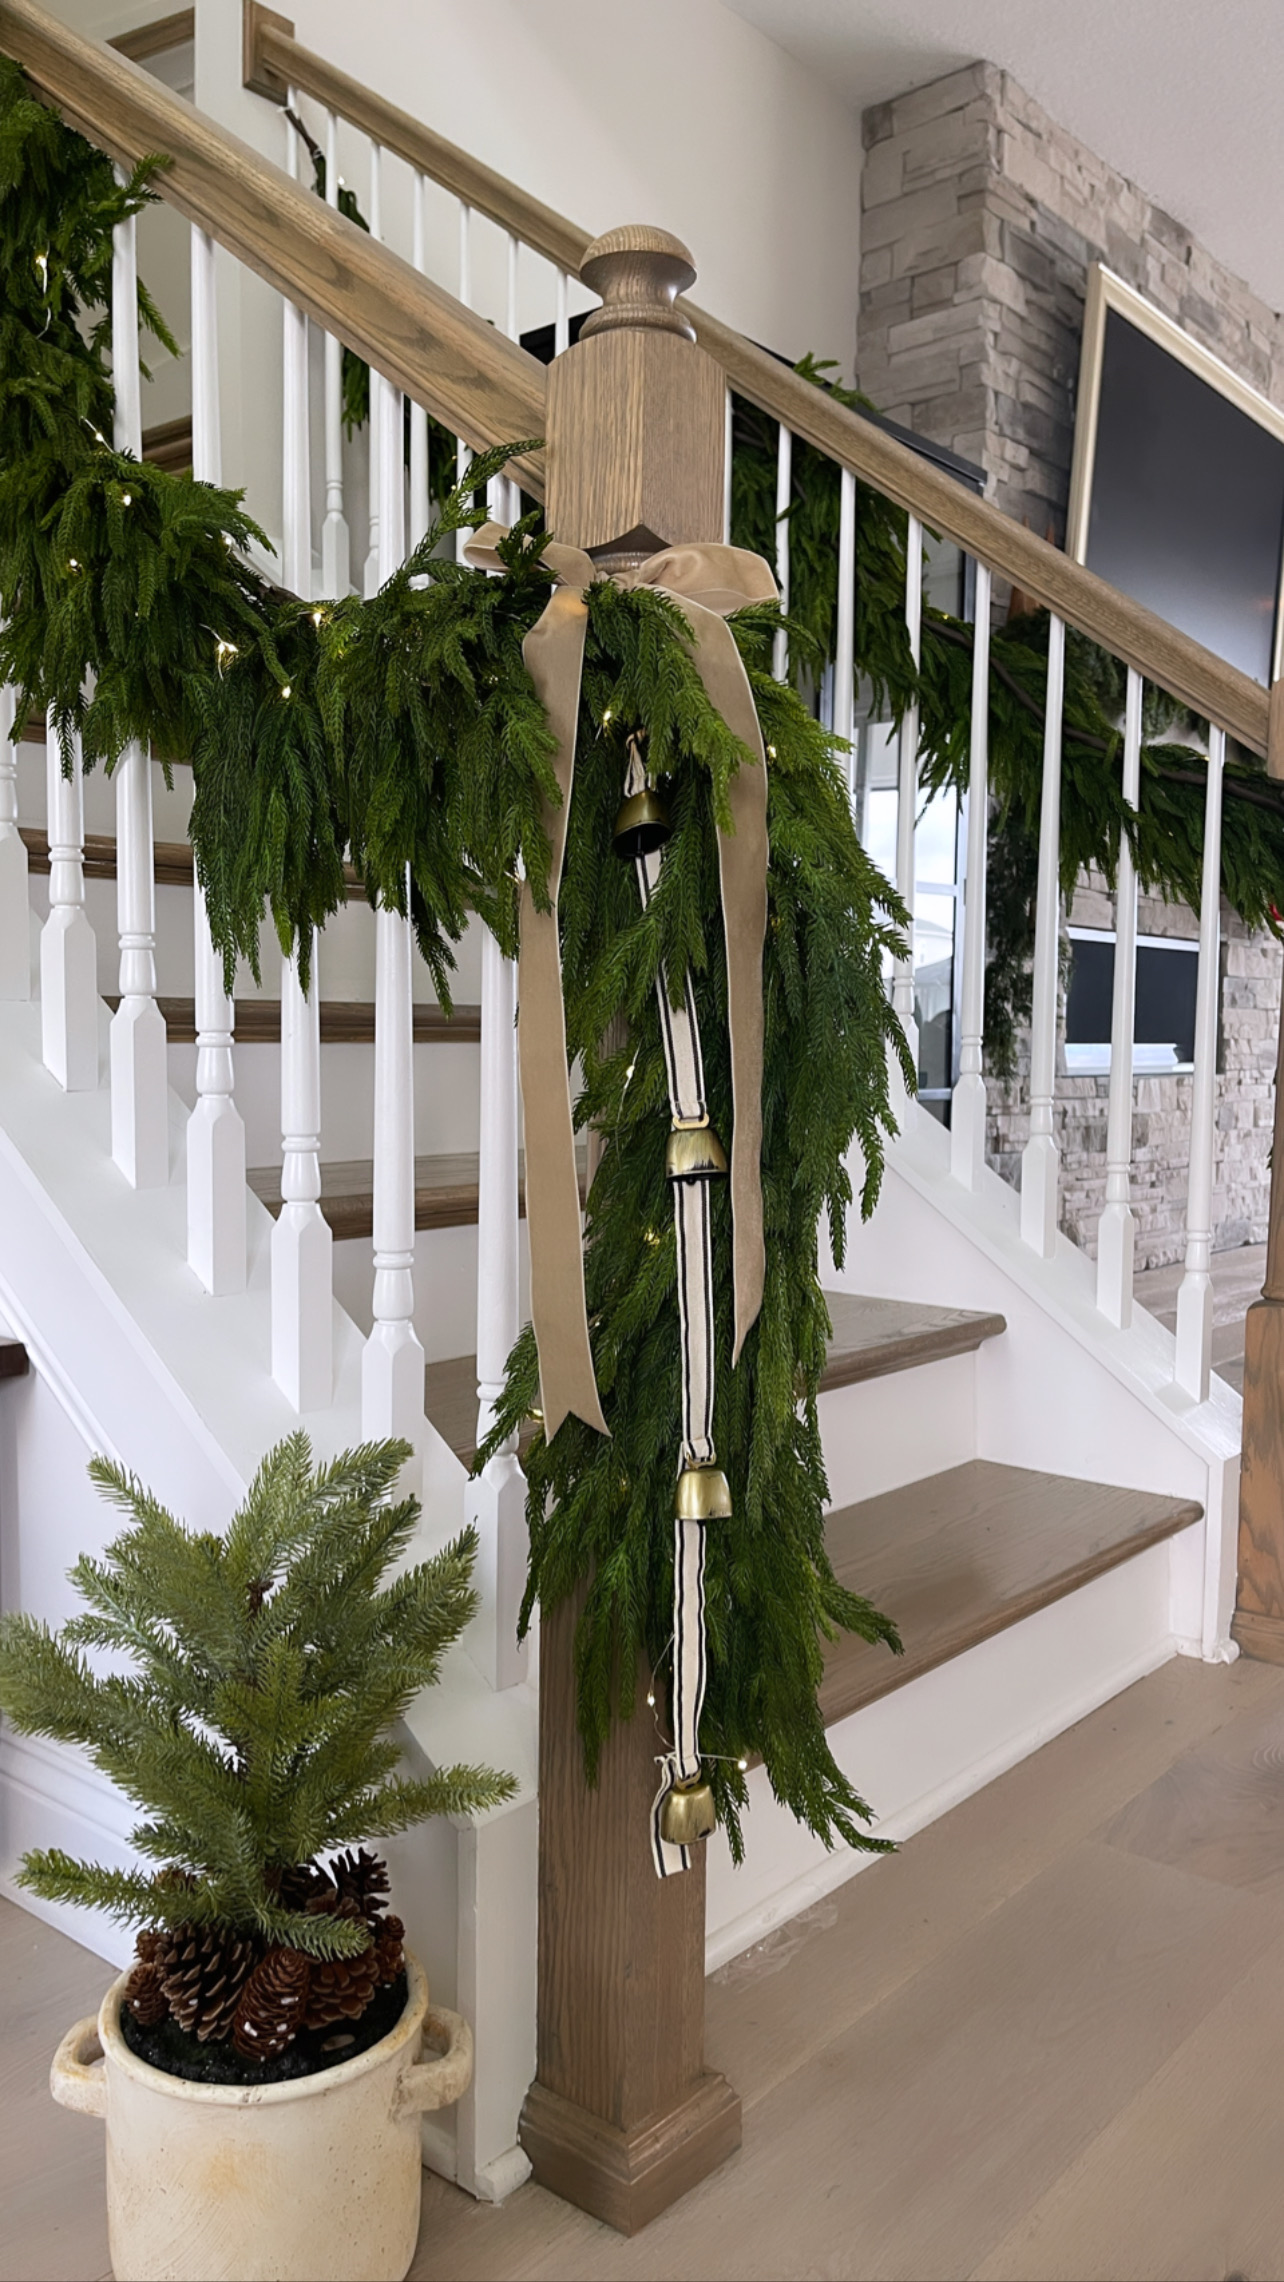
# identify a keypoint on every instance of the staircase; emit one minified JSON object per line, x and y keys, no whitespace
{"x":1025,"y":1473}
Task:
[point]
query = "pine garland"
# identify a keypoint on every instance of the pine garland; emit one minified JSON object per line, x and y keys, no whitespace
{"x":268,"y":1669}
{"x":1166,"y":834}
{"x":403,"y":732}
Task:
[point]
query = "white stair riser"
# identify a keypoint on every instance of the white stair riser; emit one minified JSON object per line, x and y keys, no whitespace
{"x":445,"y":1098}
{"x":445,"y":1287}
{"x":923,"y":1749}
{"x":346,"y":958}
{"x":881,"y":1433}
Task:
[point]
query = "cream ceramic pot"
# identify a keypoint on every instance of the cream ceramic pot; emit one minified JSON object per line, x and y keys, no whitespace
{"x":316,"y":2180}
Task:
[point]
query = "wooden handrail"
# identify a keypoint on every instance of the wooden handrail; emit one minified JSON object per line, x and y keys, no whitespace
{"x":482,"y":386}
{"x":1212,"y":688}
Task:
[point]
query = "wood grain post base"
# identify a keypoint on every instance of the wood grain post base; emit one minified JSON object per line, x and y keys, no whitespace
{"x":1258,"y":1622}
{"x":626,"y":2178}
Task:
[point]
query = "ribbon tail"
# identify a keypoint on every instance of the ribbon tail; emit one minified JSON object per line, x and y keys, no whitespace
{"x":742,"y":865}
{"x":554,"y":656}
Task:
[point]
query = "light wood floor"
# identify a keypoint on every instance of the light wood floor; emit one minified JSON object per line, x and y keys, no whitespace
{"x":1043,"y":2040}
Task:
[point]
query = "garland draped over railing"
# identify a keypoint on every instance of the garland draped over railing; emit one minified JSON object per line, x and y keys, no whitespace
{"x":404,"y":735}
{"x":1167,"y":831}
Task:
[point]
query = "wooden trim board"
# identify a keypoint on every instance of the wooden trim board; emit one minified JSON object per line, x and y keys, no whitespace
{"x":344,"y":1022}
{"x":160,"y":37}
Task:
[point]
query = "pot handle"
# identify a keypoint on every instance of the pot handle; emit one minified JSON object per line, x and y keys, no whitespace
{"x":437,"y":2083}
{"x":78,"y":2077}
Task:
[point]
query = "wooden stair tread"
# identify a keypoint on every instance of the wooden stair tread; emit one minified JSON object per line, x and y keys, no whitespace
{"x":962,"y":1555}
{"x":445,"y":1194}
{"x":14,"y":1360}
{"x":871,"y":1337}
{"x":344,"y":1022}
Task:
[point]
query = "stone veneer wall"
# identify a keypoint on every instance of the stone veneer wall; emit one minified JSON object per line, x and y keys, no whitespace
{"x":980,"y":218}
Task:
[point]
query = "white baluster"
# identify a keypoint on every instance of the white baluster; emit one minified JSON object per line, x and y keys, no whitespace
{"x":1195,"y":1297}
{"x":462,"y":454}
{"x":392,"y":1365}
{"x":844,"y":701}
{"x":512,"y":493}
{"x":15,"y":911}
{"x":562,"y":320}
{"x":1116,"y":1227}
{"x":420,"y":504}
{"x":728,"y":451}
{"x":907,"y":794}
{"x":378,"y":407}
{"x":215,"y":1133}
{"x":1041,"y":1158}
{"x":139,"y":1071}
{"x":336,"y":574}
{"x":784,"y":493}
{"x":68,"y":952}
{"x":302,"y":1312}
{"x":302,"y":1309}
{"x":495,"y":1502}
{"x":967,"y":1119}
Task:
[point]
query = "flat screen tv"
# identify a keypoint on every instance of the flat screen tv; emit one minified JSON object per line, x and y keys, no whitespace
{"x":1177,"y":489}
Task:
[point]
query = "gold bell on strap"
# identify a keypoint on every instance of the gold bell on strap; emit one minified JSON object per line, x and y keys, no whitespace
{"x":703,"y":1494}
{"x":641,"y":826}
{"x":693,"y":1151}
{"x":687,"y":1813}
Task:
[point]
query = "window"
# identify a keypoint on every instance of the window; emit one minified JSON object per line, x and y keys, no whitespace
{"x":1164,"y":1009}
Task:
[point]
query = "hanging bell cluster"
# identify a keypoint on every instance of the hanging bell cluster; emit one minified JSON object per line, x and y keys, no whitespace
{"x":693,"y":1151}
{"x":641,"y":827}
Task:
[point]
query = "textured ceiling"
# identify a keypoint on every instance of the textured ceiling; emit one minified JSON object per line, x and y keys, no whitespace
{"x":1183,"y":96}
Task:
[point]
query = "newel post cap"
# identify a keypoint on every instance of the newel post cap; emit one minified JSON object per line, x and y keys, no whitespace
{"x":639,"y":271}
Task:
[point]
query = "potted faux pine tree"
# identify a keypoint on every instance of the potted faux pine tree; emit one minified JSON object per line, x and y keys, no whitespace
{"x":259,"y":2064}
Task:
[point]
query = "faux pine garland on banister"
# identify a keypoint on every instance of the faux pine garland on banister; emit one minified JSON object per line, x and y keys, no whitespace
{"x":1168,"y":830}
{"x":404,"y":732}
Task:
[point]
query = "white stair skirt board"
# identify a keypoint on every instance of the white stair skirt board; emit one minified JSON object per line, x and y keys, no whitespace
{"x":926,"y":1747}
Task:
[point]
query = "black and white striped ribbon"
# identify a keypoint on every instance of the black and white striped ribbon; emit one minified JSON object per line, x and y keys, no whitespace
{"x":680,"y":1032}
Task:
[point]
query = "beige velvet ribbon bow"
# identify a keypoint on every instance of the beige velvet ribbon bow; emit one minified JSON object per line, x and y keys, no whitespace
{"x":707,"y":583}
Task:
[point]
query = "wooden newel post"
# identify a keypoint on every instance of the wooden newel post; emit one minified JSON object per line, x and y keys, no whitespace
{"x":1258,"y":1623}
{"x":623,"y":2116}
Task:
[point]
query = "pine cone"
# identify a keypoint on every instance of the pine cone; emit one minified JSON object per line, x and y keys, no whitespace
{"x":145,"y":1995}
{"x":304,"y":1887}
{"x":362,"y":1878}
{"x":270,"y":2013}
{"x":340,"y":1988}
{"x":205,"y":1969}
{"x":151,"y":1941}
{"x":173,"y":1880}
{"x":390,"y":1957}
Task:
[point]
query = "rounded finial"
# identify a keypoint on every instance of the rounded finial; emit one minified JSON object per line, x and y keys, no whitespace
{"x":639,"y":272}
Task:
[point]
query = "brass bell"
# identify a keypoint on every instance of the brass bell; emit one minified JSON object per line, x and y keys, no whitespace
{"x":703,"y":1494}
{"x":641,"y":827}
{"x":694,"y":1152}
{"x":687,"y":1813}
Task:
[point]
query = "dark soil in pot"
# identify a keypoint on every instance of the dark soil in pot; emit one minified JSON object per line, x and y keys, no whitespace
{"x":175,"y":2053}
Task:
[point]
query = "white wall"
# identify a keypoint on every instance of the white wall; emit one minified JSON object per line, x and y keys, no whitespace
{"x":675,"y":113}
